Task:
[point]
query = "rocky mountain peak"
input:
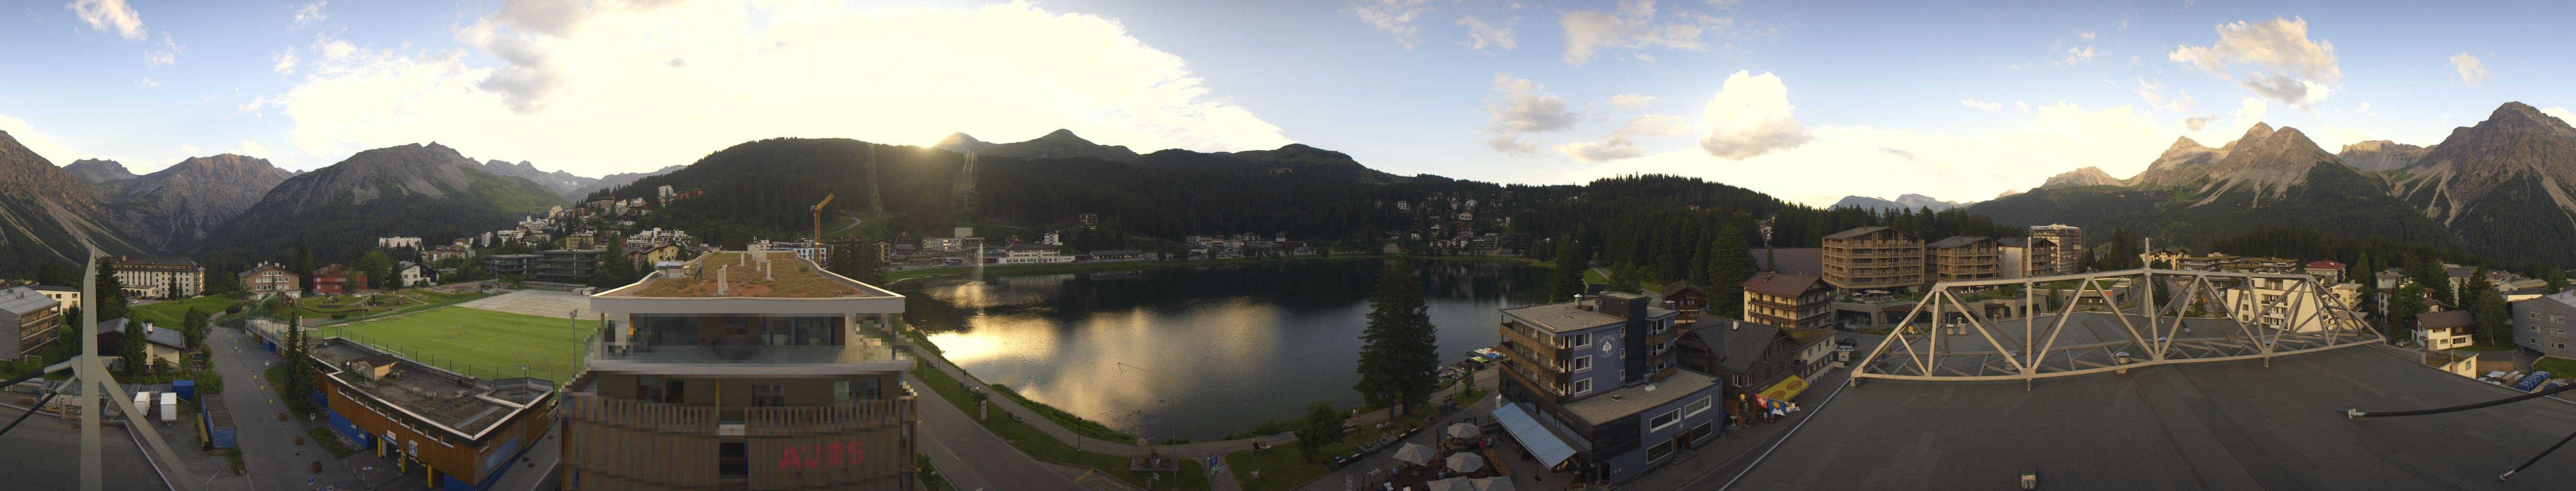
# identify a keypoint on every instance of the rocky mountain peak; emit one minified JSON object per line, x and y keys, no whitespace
{"x":98,"y":171}
{"x":1062,"y":134}
{"x":2088,"y":176}
{"x":2257,"y":132}
{"x":962,"y":143}
{"x":2379,"y":155}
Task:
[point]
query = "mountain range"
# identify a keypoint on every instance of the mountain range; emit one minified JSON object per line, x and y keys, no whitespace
{"x":1907,"y":201}
{"x":174,"y":208}
{"x":45,"y":212}
{"x":409,"y":190}
{"x":562,"y":183}
{"x":2501,"y":188}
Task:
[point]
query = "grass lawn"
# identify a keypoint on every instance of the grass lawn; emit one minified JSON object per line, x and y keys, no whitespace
{"x":1038,"y":444}
{"x":171,"y":313}
{"x":1282,"y":468}
{"x":413,"y":301}
{"x":2557,"y":367}
{"x":480,"y":343}
{"x":330,"y":442}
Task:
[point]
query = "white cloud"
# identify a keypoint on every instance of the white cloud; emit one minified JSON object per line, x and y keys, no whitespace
{"x":1002,"y":72}
{"x":168,"y":54}
{"x":1523,"y":109}
{"x":2055,"y":138}
{"x":333,"y":49}
{"x":1622,"y":144}
{"x":1481,"y":34}
{"x":2086,"y":35}
{"x":2298,"y":94}
{"x":2472,"y":70}
{"x":251,"y":107}
{"x":1981,"y":105}
{"x":2197,"y":123}
{"x":1393,"y":16}
{"x":110,"y":15}
{"x":306,"y":15}
{"x":44,"y":145}
{"x":2078,"y":55}
{"x":148,"y":83}
{"x":2024,"y":106}
{"x":283,"y":61}
{"x":254,"y":149}
{"x":2561,"y":113}
{"x":191,"y":150}
{"x":1630,"y":101}
{"x":2153,"y":92}
{"x":2301,"y":67}
{"x":1750,"y":116}
{"x":1633,"y":26}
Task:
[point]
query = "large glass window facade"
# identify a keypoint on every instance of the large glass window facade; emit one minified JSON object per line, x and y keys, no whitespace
{"x":738,"y":330}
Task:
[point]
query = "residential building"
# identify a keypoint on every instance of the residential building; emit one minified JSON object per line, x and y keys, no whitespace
{"x":1752,"y":359}
{"x":1033,"y":254}
{"x":2542,"y":323}
{"x":2025,"y":257}
{"x":2445,"y":330}
{"x":2271,"y":264}
{"x":657,"y":235}
{"x":1592,"y":385}
{"x":69,"y":297}
{"x":2272,"y":303}
{"x":792,"y":383}
{"x":656,"y":253}
{"x":510,"y":265}
{"x":446,"y":252}
{"x":2348,"y":293}
{"x":1780,"y":299}
{"x":663,"y":195}
{"x":1965,"y":258}
{"x":29,"y":323}
{"x":271,"y":278}
{"x":160,"y":345}
{"x":1873,"y":258}
{"x":2326,"y":270}
{"x":1815,"y":351}
{"x":581,"y":240}
{"x":1088,"y":221}
{"x":1686,"y":300}
{"x":160,"y":278}
{"x":463,"y":432}
{"x":2215,"y":261}
{"x":408,"y":274}
{"x":2070,"y":246}
{"x":339,"y":279}
{"x":1118,"y":255}
{"x":398,"y":242}
{"x":569,"y":265}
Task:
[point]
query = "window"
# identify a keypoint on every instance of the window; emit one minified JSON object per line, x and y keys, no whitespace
{"x":1582,"y":364}
{"x":1665,"y":420}
{"x":1696,"y":407}
{"x":1659,"y":451}
{"x":2557,"y":320}
{"x":1582,"y":340}
{"x":733,"y":459}
{"x":1583,"y":386}
{"x":768,"y":395}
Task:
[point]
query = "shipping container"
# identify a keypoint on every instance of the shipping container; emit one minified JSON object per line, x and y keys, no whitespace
{"x":215,"y":423}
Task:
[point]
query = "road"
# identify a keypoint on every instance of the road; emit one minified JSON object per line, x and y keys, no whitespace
{"x":267,"y":445}
{"x":974,"y":458}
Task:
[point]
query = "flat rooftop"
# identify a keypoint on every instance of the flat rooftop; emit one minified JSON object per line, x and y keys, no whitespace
{"x":1568,"y":316}
{"x":747,"y":275}
{"x":1625,"y":401}
{"x":467,"y":405}
{"x":2217,"y":425}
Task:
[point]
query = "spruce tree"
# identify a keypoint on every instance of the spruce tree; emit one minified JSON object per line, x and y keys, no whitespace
{"x":111,"y":299}
{"x":1399,"y":363}
{"x":1730,"y":264}
{"x":1566,"y":280}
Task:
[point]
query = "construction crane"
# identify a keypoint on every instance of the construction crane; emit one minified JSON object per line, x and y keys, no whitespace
{"x":818,"y":218}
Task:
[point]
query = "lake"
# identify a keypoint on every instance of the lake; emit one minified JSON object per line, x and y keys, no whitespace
{"x":1203,"y":351}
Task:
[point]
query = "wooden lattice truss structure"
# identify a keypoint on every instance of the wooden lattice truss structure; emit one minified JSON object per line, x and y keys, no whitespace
{"x":2115,"y":320}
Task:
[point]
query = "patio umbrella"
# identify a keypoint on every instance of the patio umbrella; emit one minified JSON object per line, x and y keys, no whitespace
{"x":1466,"y":462}
{"x":1462,"y":430}
{"x":1415,"y":454}
{"x":1450,"y":484}
{"x":1493,"y":484}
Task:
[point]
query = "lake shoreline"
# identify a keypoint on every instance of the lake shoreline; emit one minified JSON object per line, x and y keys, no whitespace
{"x":1085,"y":267}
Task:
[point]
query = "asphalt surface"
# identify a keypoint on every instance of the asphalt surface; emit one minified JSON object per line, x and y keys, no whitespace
{"x":974,"y":458}
{"x":268,"y":447}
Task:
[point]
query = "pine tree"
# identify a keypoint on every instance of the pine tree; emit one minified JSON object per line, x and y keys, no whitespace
{"x":2402,"y":308}
{"x":1398,"y":365}
{"x":1321,"y":426}
{"x":111,"y":299}
{"x":1730,"y":264}
{"x":1566,"y":280}
{"x":194,"y":326}
{"x":303,"y":261}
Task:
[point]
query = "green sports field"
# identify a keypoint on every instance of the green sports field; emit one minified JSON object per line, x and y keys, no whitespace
{"x":481,"y":343}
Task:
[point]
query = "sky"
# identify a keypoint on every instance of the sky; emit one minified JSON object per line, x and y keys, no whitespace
{"x":1808,"y":101}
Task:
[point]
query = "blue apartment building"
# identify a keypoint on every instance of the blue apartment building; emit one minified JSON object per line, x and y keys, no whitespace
{"x":1592,"y":387}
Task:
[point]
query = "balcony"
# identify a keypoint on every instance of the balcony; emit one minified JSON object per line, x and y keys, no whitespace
{"x":748,"y":359}
{"x":756,"y":421}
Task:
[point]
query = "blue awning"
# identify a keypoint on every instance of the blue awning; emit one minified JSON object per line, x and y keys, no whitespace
{"x":1549,"y":448}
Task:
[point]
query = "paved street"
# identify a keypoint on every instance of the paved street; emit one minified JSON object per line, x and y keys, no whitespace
{"x":974,"y":458}
{"x":268,"y":447}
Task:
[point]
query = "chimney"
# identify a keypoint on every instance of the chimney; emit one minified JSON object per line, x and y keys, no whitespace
{"x":720,"y":279}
